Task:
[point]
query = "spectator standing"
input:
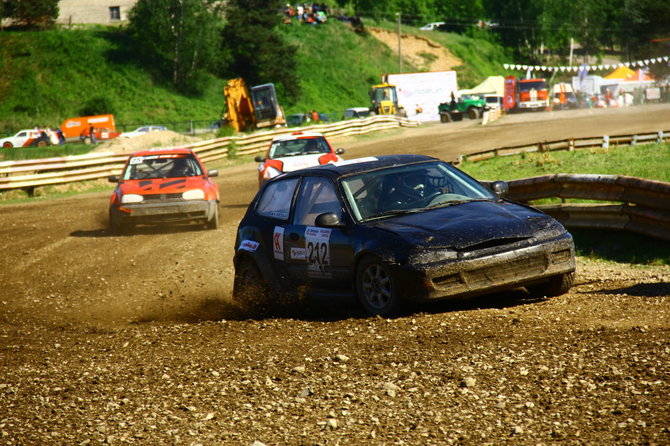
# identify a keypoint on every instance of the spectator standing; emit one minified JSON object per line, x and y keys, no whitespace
{"x":91,"y":134}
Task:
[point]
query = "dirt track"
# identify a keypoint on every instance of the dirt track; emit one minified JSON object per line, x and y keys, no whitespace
{"x":134,"y":339}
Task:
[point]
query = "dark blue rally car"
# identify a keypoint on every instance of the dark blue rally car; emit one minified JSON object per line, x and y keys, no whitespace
{"x":391,"y":230}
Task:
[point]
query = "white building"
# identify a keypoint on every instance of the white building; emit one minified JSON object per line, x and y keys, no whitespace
{"x":104,"y":12}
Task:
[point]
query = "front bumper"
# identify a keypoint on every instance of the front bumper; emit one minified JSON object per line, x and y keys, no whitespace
{"x":534,"y":104}
{"x":173,"y":211}
{"x":485,"y":274}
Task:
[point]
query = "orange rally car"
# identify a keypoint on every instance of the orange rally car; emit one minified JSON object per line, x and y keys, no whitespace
{"x":163,"y":186}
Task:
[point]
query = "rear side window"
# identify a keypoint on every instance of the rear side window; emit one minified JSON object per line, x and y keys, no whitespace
{"x":276,"y":199}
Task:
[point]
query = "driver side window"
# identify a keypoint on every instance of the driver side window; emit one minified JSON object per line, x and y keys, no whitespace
{"x":317,"y":196}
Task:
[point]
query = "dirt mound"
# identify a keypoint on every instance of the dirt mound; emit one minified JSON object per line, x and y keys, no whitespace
{"x":421,"y":52}
{"x":165,"y":138}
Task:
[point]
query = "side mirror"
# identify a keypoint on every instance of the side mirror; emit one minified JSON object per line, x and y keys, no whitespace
{"x":213,"y":173}
{"x":500,"y":188}
{"x":259,"y":159}
{"x":339,"y":151}
{"x":113,"y":178}
{"x":328,"y":220}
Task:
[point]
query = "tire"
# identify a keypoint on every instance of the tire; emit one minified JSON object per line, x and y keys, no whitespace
{"x":249,"y":288}
{"x":376,"y":288}
{"x":473,"y":113}
{"x":445,"y":117}
{"x":213,"y":223}
{"x":553,"y":287}
{"x":116,"y":226}
{"x":8,"y":145}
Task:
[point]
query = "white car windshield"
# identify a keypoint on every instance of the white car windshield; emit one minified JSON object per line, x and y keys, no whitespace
{"x":299,"y":146}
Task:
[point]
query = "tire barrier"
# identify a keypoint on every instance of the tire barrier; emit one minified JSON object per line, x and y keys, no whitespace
{"x":29,"y":174}
{"x":637,"y":205}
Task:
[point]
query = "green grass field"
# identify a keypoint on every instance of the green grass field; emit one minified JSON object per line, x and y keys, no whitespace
{"x":642,"y":161}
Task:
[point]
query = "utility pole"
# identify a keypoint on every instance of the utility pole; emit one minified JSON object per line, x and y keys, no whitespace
{"x":398,"y":15}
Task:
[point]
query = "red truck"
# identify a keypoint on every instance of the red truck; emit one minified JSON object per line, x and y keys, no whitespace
{"x":525,"y":94}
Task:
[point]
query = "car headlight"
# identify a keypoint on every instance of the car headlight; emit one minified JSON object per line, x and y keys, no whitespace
{"x":270,"y":172}
{"x":423,"y":256}
{"x":195,"y":194}
{"x":131,"y":198}
{"x":547,"y":227}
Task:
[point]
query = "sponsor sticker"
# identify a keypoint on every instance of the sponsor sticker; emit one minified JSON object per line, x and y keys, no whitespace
{"x":317,"y":251}
{"x":278,"y":243}
{"x":298,"y":253}
{"x":249,"y":245}
{"x":355,"y":161}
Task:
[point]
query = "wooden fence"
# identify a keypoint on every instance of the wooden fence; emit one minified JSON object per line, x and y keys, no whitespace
{"x":635,"y":204}
{"x":29,"y":174}
{"x":570,"y":144}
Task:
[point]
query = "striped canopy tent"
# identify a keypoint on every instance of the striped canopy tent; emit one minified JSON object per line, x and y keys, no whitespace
{"x":622,"y":72}
{"x":640,"y":75}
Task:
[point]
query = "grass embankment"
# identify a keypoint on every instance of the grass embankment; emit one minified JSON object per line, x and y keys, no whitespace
{"x":642,"y":161}
{"x":48,"y":76}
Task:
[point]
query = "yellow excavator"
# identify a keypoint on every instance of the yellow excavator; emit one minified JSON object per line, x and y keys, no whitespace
{"x":254,"y":108}
{"x":384,"y":100}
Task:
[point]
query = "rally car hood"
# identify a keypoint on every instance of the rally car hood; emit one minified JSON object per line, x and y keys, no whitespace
{"x":465,"y":225}
{"x":161,"y":185}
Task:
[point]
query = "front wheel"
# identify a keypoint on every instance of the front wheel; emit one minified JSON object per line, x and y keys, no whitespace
{"x":116,"y":226}
{"x":7,"y":145}
{"x":445,"y":117}
{"x":553,"y":287}
{"x":213,"y":223}
{"x":376,"y":287}
{"x":473,"y":113}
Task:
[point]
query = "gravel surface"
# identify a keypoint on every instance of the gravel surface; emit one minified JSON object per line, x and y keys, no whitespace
{"x":134,"y":340}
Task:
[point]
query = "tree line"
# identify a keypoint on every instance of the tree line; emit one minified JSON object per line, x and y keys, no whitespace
{"x":185,"y":41}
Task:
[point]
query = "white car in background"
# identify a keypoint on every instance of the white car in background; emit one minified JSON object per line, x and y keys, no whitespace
{"x":431,"y":26}
{"x":295,"y":151}
{"x":22,"y":139}
{"x":144,"y":130}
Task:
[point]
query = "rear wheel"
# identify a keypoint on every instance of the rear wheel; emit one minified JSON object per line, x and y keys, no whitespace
{"x":473,"y":113}
{"x":7,"y":145}
{"x":445,"y":117}
{"x":376,"y":287}
{"x":553,"y":287}
{"x":249,"y":288}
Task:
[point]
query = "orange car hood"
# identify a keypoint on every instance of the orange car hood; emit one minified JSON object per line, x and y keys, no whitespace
{"x":164,"y":185}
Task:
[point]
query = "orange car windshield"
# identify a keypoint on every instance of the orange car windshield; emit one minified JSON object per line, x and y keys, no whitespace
{"x":161,"y":166}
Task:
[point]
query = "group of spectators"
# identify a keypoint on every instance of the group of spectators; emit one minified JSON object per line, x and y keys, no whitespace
{"x":305,"y":13}
{"x":50,"y":137}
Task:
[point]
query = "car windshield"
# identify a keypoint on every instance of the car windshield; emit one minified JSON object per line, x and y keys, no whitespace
{"x":299,"y":146}
{"x":410,"y":188}
{"x":161,"y":166}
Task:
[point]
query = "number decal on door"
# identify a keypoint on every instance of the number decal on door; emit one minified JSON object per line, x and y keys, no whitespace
{"x":317,"y":243}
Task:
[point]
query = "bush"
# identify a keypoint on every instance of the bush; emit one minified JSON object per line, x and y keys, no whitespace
{"x":98,"y":105}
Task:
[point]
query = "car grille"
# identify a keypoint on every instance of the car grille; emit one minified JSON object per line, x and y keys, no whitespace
{"x":177,"y":196}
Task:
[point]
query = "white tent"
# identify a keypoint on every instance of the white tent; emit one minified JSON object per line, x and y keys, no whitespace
{"x":492,"y":85}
